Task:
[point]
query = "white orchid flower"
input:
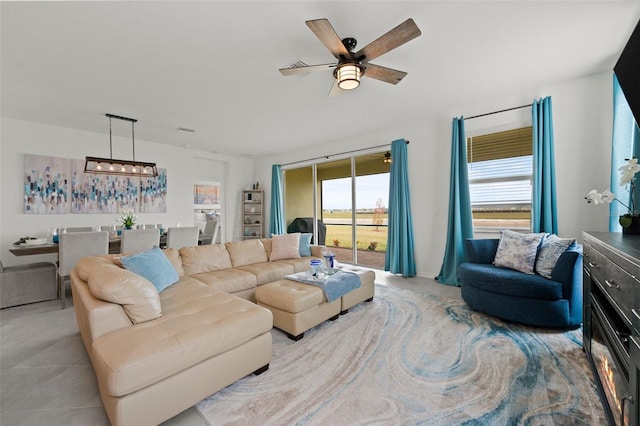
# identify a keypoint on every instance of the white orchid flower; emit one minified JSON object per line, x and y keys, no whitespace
{"x":604,"y":197}
{"x":628,"y":171}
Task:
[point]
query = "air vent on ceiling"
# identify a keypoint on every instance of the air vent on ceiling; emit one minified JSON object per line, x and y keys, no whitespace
{"x":299,"y":64}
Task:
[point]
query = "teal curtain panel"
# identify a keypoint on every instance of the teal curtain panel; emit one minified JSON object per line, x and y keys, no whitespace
{"x":460,"y":224}
{"x":399,"y":258}
{"x":276,"y":217}
{"x":544,"y":216}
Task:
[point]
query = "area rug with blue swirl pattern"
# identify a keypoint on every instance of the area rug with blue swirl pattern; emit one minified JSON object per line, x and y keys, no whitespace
{"x":409,"y":358}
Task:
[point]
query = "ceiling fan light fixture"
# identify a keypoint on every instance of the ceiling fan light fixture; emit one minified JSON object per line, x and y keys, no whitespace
{"x":348,"y":76}
{"x":387,"y":158}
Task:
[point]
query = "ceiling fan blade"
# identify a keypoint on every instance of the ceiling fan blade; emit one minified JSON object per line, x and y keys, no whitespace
{"x":388,"y":75}
{"x":398,"y":36}
{"x":327,"y":35}
{"x":295,"y":70}
{"x":335,"y":89}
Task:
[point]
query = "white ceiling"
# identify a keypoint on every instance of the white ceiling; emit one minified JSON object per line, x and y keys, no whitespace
{"x":213,"y":66}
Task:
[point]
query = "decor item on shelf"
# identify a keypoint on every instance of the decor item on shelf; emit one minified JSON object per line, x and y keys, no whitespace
{"x":128,"y":218}
{"x":120,"y":167}
{"x":629,"y":221}
{"x":351,"y":66}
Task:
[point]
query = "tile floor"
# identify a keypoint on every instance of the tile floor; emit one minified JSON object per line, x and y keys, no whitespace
{"x":46,"y":376}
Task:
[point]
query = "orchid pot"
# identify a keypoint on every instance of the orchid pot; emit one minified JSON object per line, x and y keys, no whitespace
{"x":630,"y":224}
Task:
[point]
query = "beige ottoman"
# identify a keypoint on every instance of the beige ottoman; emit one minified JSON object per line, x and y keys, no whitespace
{"x":296,"y":307}
{"x":364,"y":293}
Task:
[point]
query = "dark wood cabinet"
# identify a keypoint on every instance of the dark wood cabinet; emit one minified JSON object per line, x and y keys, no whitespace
{"x":611,"y":321}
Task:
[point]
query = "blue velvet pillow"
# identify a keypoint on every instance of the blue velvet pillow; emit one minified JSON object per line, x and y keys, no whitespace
{"x":305,"y":244}
{"x":154,"y":266}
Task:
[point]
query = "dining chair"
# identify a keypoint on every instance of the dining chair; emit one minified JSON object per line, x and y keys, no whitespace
{"x":79,"y":229}
{"x":71,"y":248}
{"x":211,"y":229}
{"x":182,"y":237}
{"x":137,"y":240}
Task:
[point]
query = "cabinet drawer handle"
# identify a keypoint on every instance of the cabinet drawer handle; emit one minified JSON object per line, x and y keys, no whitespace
{"x":634,"y":339}
{"x":635,"y":313}
{"x":593,"y":265}
{"x":612,"y":284}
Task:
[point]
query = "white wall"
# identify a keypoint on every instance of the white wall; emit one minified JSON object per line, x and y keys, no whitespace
{"x":582,"y":114}
{"x":183,"y":167}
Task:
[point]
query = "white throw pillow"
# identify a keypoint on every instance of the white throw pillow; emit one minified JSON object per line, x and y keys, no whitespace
{"x":518,"y":251}
{"x":551,"y":250}
{"x":285,"y":246}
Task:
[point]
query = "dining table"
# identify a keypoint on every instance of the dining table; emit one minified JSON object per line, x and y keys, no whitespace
{"x":114,"y":246}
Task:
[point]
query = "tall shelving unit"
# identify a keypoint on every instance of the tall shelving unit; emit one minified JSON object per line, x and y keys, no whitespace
{"x":252,"y":214}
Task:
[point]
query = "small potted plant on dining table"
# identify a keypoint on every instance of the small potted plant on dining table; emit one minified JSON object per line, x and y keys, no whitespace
{"x":128,"y":218}
{"x":629,"y":221}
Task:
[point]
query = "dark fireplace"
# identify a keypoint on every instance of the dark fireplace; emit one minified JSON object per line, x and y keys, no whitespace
{"x":610,"y":357}
{"x":611,"y":321}
{"x":607,"y":341}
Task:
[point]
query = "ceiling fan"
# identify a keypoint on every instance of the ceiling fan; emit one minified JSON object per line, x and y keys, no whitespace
{"x":351,"y":66}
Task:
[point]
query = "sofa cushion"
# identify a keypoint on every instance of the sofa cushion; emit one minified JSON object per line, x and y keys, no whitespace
{"x":550,"y":251}
{"x":286,"y":246}
{"x":199,"y":323}
{"x":268,"y":272}
{"x":299,"y":265}
{"x":228,"y":280}
{"x":246,"y":252}
{"x":108,"y":282}
{"x":507,"y":281}
{"x":518,"y":251}
{"x":305,"y":244}
{"x":154,"y":266}
{"x":176,"y":260}
{"x":267,"y":242}
{"x":211,"y":257}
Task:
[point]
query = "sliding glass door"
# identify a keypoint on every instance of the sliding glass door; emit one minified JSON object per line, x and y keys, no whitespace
{"x":349,"y":197}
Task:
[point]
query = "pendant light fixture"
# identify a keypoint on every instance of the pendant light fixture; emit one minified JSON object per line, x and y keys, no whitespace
{"x":120,"y":167}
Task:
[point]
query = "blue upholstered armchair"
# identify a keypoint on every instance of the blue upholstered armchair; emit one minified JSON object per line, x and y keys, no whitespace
{"x":526,"y":298}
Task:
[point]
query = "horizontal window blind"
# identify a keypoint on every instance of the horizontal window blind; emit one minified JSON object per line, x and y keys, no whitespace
{"x":501,"y":193}
{"x":506,"y":144}
{"x":501,"y":182}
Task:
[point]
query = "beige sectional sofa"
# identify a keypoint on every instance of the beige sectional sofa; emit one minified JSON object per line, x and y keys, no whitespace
{"x":157,"y":353}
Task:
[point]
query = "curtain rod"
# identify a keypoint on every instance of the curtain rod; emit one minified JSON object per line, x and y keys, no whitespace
{"x":497,"y":112}
{"x":339,"y":153}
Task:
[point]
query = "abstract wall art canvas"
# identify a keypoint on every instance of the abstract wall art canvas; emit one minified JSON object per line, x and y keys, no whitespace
{"x":46,"y":184}
{"x":153,"y":193}
{"x":102,"y":193}
{"x":55,"y":185}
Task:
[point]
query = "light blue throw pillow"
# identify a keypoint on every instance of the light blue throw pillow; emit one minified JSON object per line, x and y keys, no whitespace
{"x":305,"y":245}
{"x":154,"y":266}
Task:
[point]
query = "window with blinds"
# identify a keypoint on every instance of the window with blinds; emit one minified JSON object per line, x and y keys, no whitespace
{"x":500,"y":169}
